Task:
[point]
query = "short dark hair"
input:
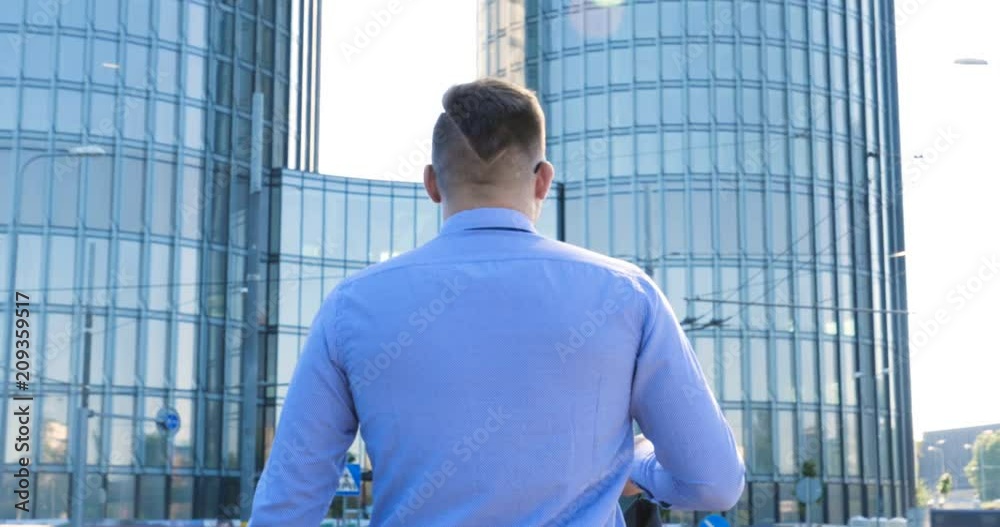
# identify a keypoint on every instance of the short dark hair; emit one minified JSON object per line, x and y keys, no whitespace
{"x":483,"y":120}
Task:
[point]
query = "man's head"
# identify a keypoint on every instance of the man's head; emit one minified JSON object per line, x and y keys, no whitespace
{"x":488,"y":149}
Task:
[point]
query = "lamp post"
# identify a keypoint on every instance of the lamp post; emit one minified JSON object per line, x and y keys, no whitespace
{"x":83,"y":412}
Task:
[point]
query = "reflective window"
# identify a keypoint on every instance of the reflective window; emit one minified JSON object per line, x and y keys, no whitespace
{"x":169,"y":19}
{"x":187,"y":298}
{"x":192,"y":202}
{"x":624,"y":228}
{"x":8,"y":107}
{"x":673,"y":153}
{"x":646,"y":61}
{"x":621,"y":109}
{"x":574,"y":114}
{"x":48,"y":484}
{"x":701,"y":208}
{"x":196,"y":25}
{"x":700,"y":152}
{"x":194,"y":127}
{"x":750,"y":61}
{"x":167,"y":67}
{"x":138,"y":17}
{"x":157,"y":344}
{"x":39,"y":62}
{"x":649,"y":158}
{"x":195,"y":83}
{"x":673,"y":105}
{"x":621,"y":66}
{"x":645,"y":18}
{"x":166,"y":122}
{"x":760,"y":374}
{"x":671,"y":18}
{"x":598,"y":234}
{"x":673,"y":61}
{"x":291,"y":220}
{"x":182,"y":488}
{"x":786,"y":371}
{"x":69,"y":108}
{"x":775,"y":63}
{"x":725,"y":61}
{"x":106,"y":15}
{"x":732,"y":369}
{"x":105,"y":66}
{"x":187,"y":342}
{"x":99,"y":194}
{"x":725,"y":105}
{"x":699,"y":105}
{"x":129,"y":255}
{"x":136,"y":66}
{"x":648,"y":107}
{"x":357,"y":222}
{"x":597,"y":68}
{"x":152,"y":489}
{"x":762,"y":457}
{"x":597,"y":111}
{"x":125,"y":347}
{"x":160,"y":263}
{"x":751,"y":105}
{"x":831,"y":374}
{"x":852,"y":452}
{"x":729,"y":220}
{"x":133,"y":190}
{"x":379,"y":232}
{"x":163,"y":205}
{"x":832,"y":444}
{"x":36,"y":113}
{"x":60,"y":335}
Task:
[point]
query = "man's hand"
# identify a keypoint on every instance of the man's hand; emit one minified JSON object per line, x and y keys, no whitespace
{"x":631,"y":489}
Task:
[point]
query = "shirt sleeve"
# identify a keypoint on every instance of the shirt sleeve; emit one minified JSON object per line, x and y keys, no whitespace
{"x":692,"y":462}
{"x":318,"y":424}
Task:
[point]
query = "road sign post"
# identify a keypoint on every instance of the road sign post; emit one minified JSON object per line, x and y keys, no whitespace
{"x":809,"y":491}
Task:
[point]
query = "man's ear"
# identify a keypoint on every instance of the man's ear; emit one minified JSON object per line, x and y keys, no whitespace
{"x":543,"y":179}
{"x":431,"y":184}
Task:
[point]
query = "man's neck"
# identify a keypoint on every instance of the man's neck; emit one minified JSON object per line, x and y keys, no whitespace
{"x":450,"y":208}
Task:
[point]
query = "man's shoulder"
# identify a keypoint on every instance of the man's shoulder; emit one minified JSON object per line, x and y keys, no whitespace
{"x":557,"y":250}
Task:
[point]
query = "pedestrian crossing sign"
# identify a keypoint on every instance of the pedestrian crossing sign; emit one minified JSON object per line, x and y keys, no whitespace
{"x":350,"y":480}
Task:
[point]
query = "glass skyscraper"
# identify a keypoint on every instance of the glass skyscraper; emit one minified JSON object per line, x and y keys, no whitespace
{"x":136,"y":257}
{"x":745,"y":153}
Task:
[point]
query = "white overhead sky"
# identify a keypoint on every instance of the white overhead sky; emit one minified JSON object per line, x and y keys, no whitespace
{"x":384,"y":73}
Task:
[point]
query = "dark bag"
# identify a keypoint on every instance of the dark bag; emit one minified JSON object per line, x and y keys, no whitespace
{"x":642,"y":513}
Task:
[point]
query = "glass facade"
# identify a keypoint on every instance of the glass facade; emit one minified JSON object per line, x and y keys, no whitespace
{"x":137,"y":256}
{"x":745,"y":153}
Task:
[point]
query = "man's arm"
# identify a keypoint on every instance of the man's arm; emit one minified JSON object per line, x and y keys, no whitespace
{"x":318,"y":425}
{"x":690,"y":461}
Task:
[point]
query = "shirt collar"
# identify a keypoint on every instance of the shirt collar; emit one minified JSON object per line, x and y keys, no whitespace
{"x":485,"y":218}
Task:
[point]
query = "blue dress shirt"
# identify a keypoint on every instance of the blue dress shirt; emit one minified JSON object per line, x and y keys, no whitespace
{"x":494,"y":374}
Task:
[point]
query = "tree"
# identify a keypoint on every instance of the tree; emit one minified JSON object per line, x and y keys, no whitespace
{"x":944,"y":485}
{"x":985,"y":479}
{"x":923,"y":494}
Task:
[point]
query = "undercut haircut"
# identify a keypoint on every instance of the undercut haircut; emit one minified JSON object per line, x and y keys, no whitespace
{"x":489,"y":128}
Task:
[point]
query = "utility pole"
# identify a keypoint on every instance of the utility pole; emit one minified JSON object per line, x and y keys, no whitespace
{"x":82,"y":415}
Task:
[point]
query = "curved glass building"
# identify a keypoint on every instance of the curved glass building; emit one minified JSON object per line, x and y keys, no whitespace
{"x":133,"y":259}
{"x":745,"y":153}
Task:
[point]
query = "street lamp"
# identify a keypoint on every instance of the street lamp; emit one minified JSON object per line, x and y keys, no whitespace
{"x":73,"y":151}
{"x":83,"y":412}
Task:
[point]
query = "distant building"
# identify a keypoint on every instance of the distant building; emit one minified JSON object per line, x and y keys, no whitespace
{"x":943,"y":451}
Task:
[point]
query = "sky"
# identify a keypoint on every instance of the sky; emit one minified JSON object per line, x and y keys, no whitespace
{"x":386,"y":64}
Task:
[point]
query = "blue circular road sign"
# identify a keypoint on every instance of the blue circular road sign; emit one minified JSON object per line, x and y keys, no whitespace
{"x":714,"y":520}
{"x":168,"y":420}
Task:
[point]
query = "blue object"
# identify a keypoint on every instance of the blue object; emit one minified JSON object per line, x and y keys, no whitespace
{"x":349,"y":483}
{"x":495,"y":374}
{"x":714,"y":520}
{"x":168,"y":420}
